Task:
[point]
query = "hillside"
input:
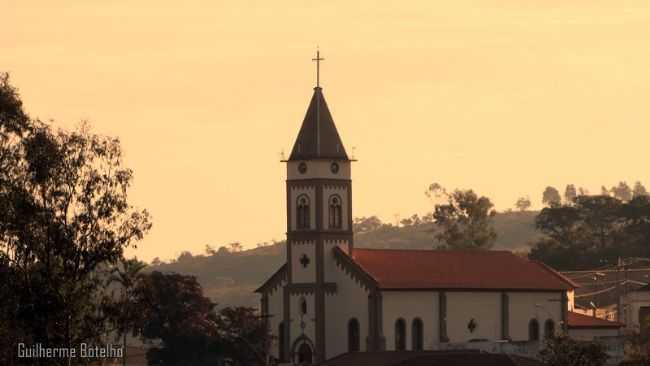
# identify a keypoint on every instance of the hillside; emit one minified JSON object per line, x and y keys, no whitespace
{"x":231,"y":278}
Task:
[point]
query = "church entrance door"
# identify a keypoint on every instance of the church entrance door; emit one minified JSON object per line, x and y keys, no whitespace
{"x":304,"y":354}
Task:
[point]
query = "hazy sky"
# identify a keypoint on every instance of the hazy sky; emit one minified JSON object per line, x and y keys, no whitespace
{"x":503,"y":96}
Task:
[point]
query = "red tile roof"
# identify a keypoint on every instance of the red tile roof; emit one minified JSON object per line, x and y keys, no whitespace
{"x":577,"y":320}
{"x":464,"y":269}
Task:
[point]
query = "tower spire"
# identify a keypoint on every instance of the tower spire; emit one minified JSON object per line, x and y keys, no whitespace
{"x":318,"y":59}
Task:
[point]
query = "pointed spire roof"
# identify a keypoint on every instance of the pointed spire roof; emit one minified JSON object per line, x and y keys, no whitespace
{"x":318,"y":137}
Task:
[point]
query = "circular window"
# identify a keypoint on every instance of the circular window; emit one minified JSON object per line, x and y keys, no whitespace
{"x":302,"y":168}
{"x":334,"y":167}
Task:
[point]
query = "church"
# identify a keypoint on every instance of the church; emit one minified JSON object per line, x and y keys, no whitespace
{"x":331,"y":298}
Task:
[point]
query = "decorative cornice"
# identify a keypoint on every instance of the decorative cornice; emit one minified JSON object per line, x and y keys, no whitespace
{"x":274,"y":281}
{"x":345,"y":262}
{"x":310,"y":288}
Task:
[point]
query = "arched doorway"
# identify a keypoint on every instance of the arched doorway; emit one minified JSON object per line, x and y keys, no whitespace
{"x":302,"y":351}
{"x":304,"y":354}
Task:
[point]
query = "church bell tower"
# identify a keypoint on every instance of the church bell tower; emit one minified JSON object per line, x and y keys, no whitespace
{"x":319,"y":217}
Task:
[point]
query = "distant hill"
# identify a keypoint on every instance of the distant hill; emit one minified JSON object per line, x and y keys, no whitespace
{"x":231,"y":278}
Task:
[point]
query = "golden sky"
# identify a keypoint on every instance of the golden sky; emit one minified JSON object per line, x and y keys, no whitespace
{"x":502,"y":96}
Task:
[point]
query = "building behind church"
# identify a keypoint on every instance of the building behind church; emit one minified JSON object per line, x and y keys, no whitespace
{"x":330,"y":298}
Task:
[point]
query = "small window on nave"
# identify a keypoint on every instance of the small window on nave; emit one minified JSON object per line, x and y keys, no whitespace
{"x":335,"y":212}
{"x":549,"y":328}
{"x":417,"y":329}
{"x":302,"y":212}
{"x":533,"y":330}
{"x":354,"y":339}
{"x":303,"y":306}
{"x":400,"y":335}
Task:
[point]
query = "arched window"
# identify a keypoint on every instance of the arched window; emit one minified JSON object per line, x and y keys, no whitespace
{"x":335,"y":212}
{"x":533,"y":330}
{"x":303,"y":306}
{"x":417,"y":334}
{"x":400,"y":335}
{"x":353,"y":335}
{"x":281,"y":344}
{"x":302,"y":211}
{"x":549,"y":328}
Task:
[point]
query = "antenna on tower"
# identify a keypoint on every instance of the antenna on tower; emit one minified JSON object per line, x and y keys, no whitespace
{"x":354,"y":149}
{"x":282,"y":157}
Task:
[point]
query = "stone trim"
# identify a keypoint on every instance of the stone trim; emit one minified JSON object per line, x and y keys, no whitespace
{"x":310,"y":288}
{"x":347,"y":264}
{"x":442,"y":317}
{"x":274,"y":281}
{"x":505,"y":316}
{"x":375,"y":340}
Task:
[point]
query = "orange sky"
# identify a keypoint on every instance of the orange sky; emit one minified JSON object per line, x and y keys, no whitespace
{"x":502,"y":96}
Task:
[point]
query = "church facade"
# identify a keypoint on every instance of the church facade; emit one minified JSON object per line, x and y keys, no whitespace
{"x":330,"y":298}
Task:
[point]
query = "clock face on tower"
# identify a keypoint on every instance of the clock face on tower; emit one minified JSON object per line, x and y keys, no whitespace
{"x":302,"y":168}
{"x":334,"y":167}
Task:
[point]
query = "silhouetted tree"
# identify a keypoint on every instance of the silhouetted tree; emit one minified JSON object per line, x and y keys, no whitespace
{"x":124,"y":313}
{"x":523,"y":204}
{"x":622,"y":191}
{"x":564,"y":351}
{"x":594,"y":228}
{"x":464,"y":221}
{"x":64,"y":214}
{"x":366,"y":224}
{"x":174,"y":310}
{"x":551,"y":196}
{"x":639,"y":190}
{"x":570,"y":194}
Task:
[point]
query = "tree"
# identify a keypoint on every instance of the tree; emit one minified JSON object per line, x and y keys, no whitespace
{"x":172,"y":309}
{"x":235,"y":247}
{"x":523,"y":203}
{"x":551,"y":196}
{"x":244,"y":335}
{"x":570,"y":194}
{"x":622,"y":191}
{"x":592,"y":229}
{"x":604,"y":191}
{"x":464,"y":221}
{"x":64,"y":214}
{"x":209,"y":250}
{"x":564,"y":351}
{"x":366,"y":224}
{"x":126,"y":274}
{"x":639,"y":190}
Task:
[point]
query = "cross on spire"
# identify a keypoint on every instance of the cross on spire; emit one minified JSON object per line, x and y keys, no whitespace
{"x":318,"y":59}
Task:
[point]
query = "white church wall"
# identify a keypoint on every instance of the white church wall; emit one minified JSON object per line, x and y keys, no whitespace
{"x":342,"y":192}
{"x":409,"y":305}
{"x":483,"y":307}
{"x":318,"y":169}
{"x":525,"y":306}
{"x":297,"y":319}
{"x":308,"y":191}
{"x":331,"y":271}
{"x":274,"y":319}
{"x":588,"y":334}
{"x":350,"y":301}
{"x":299,"y":273}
